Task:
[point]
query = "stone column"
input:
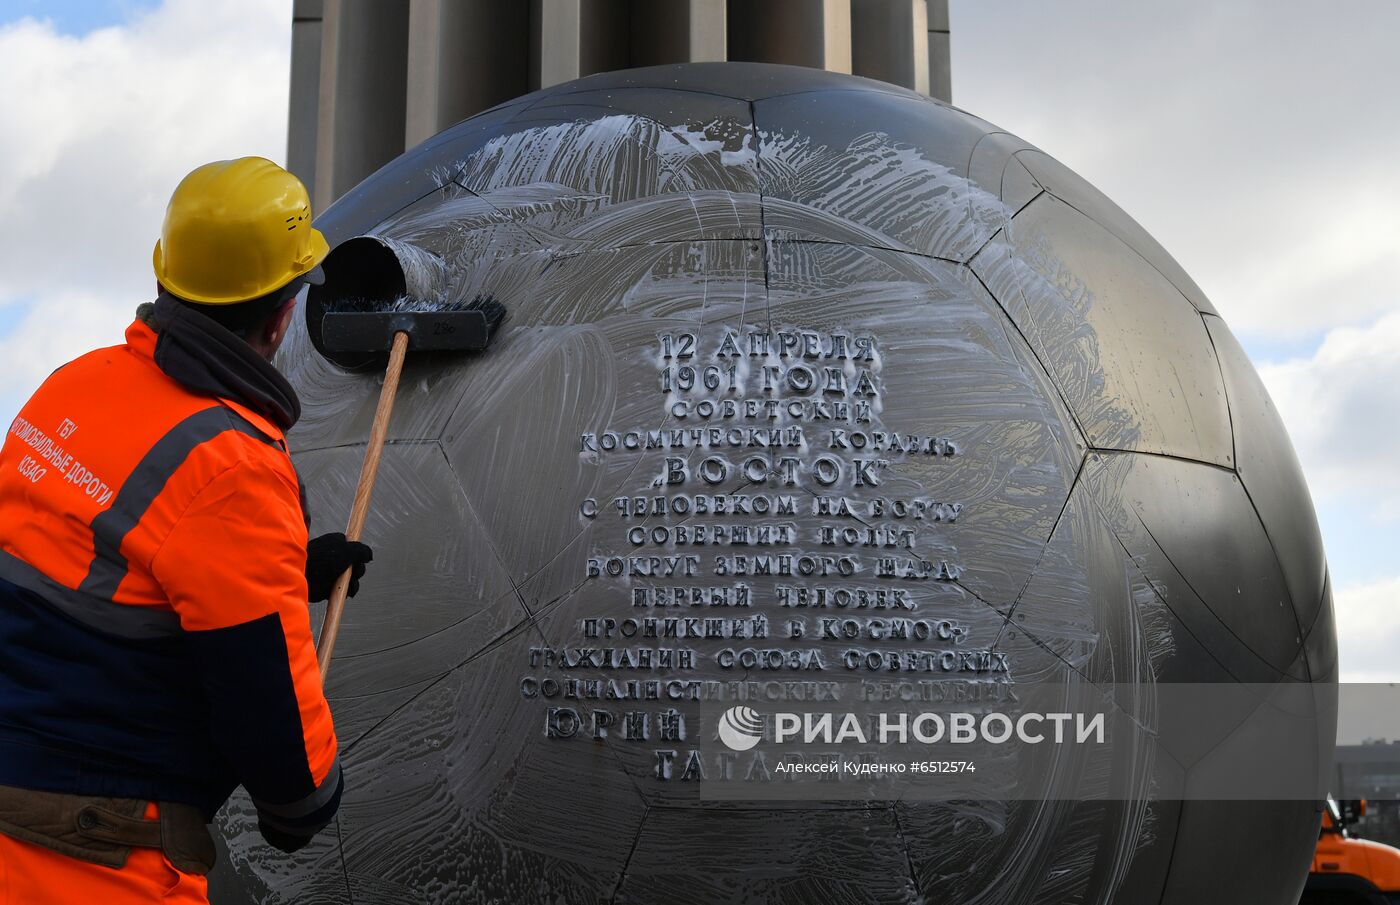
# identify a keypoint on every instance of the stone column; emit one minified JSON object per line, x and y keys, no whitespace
{"x":678,"y":31}
{"x":305,"y":90}
{"x":797,"y":32}
{"x":364,"y":69}
{"x":940,"y":60}
{"x":889,"y":41}
{"x":573,"y":38}
{"x":463,"y":57}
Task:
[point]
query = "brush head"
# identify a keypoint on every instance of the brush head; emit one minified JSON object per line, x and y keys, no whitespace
{"x":377,"y":287}
{"x":360,"y":326}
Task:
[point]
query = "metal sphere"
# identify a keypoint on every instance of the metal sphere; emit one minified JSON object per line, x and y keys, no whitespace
{"x":1104,"y":494}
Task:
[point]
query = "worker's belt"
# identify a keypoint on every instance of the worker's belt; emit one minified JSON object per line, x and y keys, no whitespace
{"x":105,"y":830}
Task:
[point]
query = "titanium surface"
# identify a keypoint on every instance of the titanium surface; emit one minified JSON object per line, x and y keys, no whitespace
{"x":1106,"y":495}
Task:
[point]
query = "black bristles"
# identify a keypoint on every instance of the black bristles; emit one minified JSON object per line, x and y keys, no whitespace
{"x":353,"y":325}
{"x":492,"y":310}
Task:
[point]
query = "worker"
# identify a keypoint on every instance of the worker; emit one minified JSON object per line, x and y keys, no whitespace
{"x":155,"y":640}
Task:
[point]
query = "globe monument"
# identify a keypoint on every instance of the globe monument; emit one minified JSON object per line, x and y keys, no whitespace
{"x":809,"y":386}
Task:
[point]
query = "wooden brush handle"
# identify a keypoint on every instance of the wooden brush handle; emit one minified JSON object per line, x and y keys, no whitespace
{"x":360,"y":509}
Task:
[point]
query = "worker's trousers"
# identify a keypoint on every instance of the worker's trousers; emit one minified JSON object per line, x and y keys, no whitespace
{"x":33,"y":875}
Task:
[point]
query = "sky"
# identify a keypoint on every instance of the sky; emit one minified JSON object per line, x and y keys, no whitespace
{"x":1256,"y":140}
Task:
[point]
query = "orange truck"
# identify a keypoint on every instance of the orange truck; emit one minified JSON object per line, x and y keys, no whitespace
{"x":1347,"y":870}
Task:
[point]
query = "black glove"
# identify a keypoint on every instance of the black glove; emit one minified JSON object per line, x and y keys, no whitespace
{"x":327,"y":557}
{"x":281,"y":841}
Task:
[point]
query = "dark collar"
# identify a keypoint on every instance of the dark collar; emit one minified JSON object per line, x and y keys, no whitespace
{"x":206,"y":358}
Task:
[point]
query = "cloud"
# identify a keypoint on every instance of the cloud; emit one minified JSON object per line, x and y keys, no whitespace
{"x":1269,"y":176}
{"x":1368,"y":631}
{"x":40,"y":341}
{"x":1342,"y":409}
{"x":95,"y":131}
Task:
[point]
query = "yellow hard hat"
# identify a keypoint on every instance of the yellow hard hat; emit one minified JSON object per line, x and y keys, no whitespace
{"x":236,"y":230}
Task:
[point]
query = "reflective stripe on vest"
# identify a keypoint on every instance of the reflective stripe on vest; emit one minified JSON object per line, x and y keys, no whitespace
{"x":91,"y":603}
{"x":133,"y":622}
{"x":299,"y":810}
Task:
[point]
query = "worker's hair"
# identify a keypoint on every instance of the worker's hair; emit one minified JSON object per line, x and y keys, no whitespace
{"x":245,"y":319}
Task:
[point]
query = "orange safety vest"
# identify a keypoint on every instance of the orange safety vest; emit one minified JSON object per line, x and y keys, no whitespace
{"x":153,"y":600}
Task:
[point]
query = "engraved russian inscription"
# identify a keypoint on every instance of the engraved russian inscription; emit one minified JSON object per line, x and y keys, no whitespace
{"x":758,"y":535}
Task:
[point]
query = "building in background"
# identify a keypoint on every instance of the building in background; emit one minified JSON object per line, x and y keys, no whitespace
{"x":1371,"y":770}
{"x":371,"y":78}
